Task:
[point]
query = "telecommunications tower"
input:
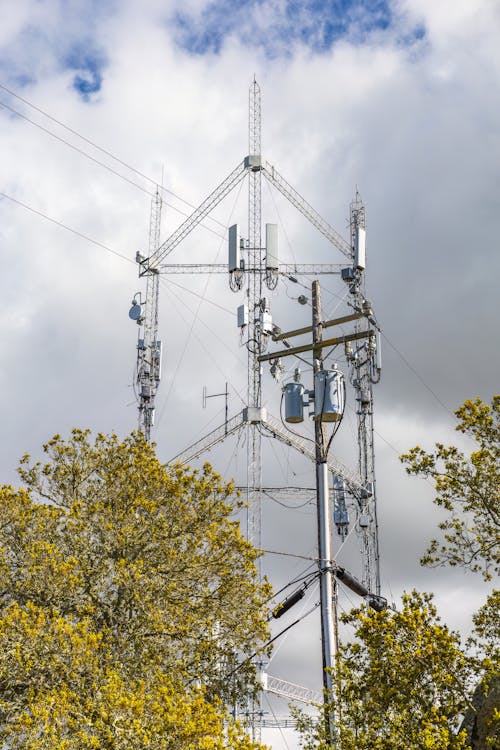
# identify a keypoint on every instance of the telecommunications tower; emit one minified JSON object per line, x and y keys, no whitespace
{"x":253,"y":269}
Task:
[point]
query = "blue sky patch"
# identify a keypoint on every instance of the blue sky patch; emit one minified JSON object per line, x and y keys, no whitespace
{"x":276,"y":27}
{"x":88,"y":65}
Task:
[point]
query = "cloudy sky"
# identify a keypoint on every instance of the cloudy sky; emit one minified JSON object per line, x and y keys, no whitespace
{"x":102,"y":100}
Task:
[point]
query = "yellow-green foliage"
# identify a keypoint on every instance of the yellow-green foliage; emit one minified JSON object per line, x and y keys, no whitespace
{"x":128,"y":592}
{"x":468,"y":488}
{"x":401,"y":684}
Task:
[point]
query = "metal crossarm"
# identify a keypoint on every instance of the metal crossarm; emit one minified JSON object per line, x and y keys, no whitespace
{"x":279,"y":182}
{"x":199,"y":214}
{"x":285,"y":269}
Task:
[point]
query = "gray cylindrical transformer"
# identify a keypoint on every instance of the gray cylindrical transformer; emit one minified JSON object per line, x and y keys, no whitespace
{"x":328,"y":395}
{"x":294,"y":402}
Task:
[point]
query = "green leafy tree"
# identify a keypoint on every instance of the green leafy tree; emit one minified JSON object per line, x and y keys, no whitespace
{"x":401,"y":683}
{"x":128,"y":595}
{"x":468,"y":488}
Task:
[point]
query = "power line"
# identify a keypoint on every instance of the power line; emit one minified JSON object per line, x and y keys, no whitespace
{"x":101,"y":164}
{"x":75,"y":148}
{"x":96,"y":146}
{"x":417,"y":375}
{"x":66,"y":227}
{"x":202,"y":298}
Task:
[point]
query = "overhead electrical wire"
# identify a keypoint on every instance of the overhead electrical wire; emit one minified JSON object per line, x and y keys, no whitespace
{"x":101,"y":164}
{"x":195,"y":294}
{"x":414,"y":371}
{"x":96,"y":146}
{"x":181,"y":358}
{"x":276,"y":721}
{"x":271,"y":640}
{"x":75,"y":148}
{"x":66,"y":227}
{"x":299,"y":618}
{"x":285,"y":505}
{"x":197,"y":312}
{"x":283,"y":227}
{"x":289,"y":554}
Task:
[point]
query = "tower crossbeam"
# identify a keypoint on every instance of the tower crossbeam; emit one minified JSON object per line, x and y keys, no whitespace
{"x":199,"y":213}
{"x":285,"y":269}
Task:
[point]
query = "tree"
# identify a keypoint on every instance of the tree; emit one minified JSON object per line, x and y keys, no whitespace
{"x":468,"y":488}
{"x":129,"y":598}
{"x":401,"y":684}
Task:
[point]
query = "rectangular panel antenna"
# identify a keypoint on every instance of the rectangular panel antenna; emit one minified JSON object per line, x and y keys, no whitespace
{"x":272,"y":257}
{"x":234,"y":248}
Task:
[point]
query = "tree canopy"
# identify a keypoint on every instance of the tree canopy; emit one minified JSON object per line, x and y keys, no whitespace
{"x":468,"y":488}
{"x":400,"y":683}
{"x":128,"y":598}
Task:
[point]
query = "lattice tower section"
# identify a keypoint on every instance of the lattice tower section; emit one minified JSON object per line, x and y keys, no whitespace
{"x":363,"y":377}
{"x":149,"y":347}
{"x":254,"y":292}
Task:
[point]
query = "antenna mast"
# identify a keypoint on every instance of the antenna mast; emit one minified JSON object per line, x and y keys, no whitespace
{"x":148,"y":346}
{"x":365,"y":371}
{"x":254,"y":294}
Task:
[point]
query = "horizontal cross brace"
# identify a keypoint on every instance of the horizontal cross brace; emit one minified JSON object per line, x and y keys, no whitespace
{"x":285,"y":269}
{"x":314,"y":347}
{"x":326,"y":324}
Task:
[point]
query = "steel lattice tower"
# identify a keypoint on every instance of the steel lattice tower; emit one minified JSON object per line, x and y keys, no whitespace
{"x":148,"y":345}
{"x":365,"y":372}
{"x":258,"y":271}
{"x":254,"y":291}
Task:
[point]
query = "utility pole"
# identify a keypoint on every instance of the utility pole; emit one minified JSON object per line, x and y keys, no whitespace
{"x":327,"y":586}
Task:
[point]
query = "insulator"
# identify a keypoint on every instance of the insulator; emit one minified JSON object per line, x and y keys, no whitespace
{"x":288,"y":603}
{"x":276,"y":368}
{"x":350,"y":581}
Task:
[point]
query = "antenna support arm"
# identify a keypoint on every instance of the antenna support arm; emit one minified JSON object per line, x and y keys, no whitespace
{"x":279,"y":182}
{"x":199,"y":214}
